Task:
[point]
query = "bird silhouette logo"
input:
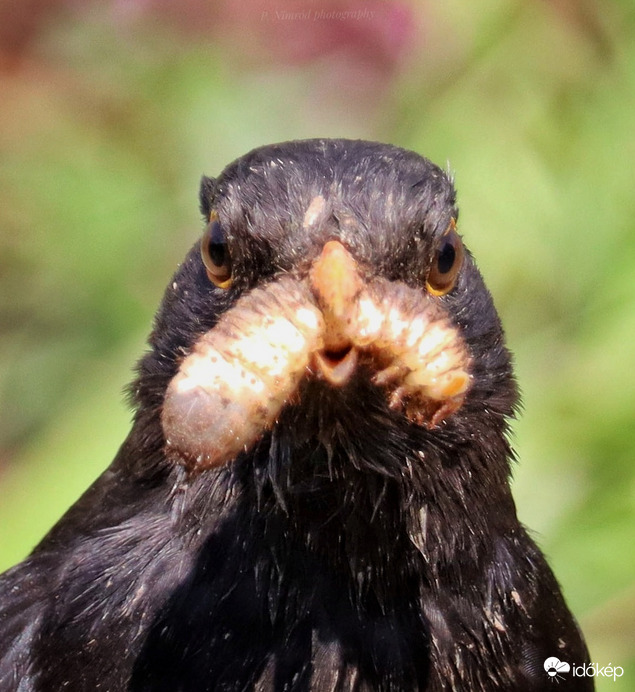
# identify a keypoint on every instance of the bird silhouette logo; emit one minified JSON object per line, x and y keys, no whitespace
{"x":555,"y":667}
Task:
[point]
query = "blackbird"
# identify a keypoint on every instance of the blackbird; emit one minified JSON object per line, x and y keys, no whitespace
{"x":314,"y":495}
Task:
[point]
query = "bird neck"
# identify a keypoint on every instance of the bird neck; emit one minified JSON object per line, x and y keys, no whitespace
{"x":366,"y":521}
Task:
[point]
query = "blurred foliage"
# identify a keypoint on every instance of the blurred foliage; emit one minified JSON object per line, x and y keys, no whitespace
{"x":111,"y":113}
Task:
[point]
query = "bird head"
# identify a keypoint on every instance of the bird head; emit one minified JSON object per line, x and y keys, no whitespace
{"x":330,"y":305}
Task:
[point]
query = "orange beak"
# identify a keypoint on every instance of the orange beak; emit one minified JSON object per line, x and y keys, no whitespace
{"x":336,"y":283}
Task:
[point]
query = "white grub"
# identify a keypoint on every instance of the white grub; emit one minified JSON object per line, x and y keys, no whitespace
{"x":238,"y":376}
{"x":426,"y":355}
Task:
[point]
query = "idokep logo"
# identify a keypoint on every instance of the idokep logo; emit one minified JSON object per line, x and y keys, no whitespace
{"x":555,"y":668}
{"x":558,"y":670}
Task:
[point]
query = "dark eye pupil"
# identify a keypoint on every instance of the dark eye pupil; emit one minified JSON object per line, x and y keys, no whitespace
{"x":217,"y":246}
{"x":217,"y":253}
{"x":445,"y":259}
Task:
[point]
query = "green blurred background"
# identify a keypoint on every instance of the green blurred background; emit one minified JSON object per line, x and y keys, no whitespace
{"x":110,"y":112}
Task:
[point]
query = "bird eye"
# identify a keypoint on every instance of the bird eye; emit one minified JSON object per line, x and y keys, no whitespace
{"x":447,"y":263}
{"x":215,"y":253}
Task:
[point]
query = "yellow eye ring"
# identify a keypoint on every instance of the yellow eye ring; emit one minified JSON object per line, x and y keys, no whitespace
{"x":215,"y":253}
